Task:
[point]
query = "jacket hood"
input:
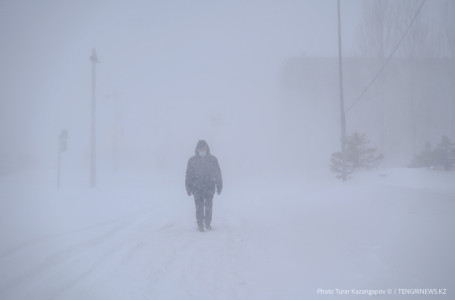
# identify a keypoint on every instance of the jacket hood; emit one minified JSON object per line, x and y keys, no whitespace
{"x":202,"y":144}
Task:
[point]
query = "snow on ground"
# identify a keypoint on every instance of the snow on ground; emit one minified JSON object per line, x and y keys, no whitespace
{"x":135,"y":238}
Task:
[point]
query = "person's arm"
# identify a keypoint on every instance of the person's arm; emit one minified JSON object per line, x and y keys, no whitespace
{"x":218,"y":177}
{"x":189,"y":177}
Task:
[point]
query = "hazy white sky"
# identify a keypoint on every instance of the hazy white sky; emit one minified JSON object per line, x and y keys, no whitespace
{"x":175,"y":65}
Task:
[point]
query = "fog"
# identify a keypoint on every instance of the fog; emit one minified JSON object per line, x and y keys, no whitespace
{"x":169,"y":74}
{"x":258,"y":80}
{"x":173,"y":73}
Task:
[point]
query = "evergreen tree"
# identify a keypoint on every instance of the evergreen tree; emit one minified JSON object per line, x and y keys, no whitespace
{"x":424,"y":158}
{"x":445,"y":154}
{"x":358,"y":155}
{"x":442,"y":156}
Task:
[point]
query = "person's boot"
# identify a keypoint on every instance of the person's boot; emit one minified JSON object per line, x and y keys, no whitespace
{"x":208,"y":227}
{"x":200,"y":228}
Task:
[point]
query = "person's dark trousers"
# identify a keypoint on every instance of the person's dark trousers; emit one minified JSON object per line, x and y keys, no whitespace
{"x":204,"y":203}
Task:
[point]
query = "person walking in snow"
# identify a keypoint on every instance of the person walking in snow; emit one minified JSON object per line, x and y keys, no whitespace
{"x":203,"y":175}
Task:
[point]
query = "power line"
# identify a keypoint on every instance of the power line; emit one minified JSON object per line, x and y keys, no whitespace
{"x":388,"y":58}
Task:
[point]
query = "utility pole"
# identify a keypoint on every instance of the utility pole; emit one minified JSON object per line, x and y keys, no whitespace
{"x":94,"y":60}
{"x":62,"y":145}
{"x":451,"y":129}
{"x":344,"y":174}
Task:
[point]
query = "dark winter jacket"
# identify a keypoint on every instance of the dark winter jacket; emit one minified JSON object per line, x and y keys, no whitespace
{"x":203,"y":174}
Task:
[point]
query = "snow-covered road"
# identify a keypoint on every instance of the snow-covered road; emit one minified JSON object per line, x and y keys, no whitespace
{"x":270,"y":240}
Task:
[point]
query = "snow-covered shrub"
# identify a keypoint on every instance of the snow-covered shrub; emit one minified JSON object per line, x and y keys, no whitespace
{"x":442,"y":156}
{"x":358,"y":155}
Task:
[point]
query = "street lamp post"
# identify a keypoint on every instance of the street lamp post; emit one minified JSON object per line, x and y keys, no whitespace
{"x":62,"y":145}
{"x":94,"y":60}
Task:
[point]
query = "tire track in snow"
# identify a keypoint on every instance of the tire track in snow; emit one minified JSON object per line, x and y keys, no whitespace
{"x":59,"y":257}
{"x":203,"y":263}
{"x":26,"y":244}
{"x":150,"y":262}
{"x":106,"y":258}
{"x":159,"y":271}
{"x":158,"y":275}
